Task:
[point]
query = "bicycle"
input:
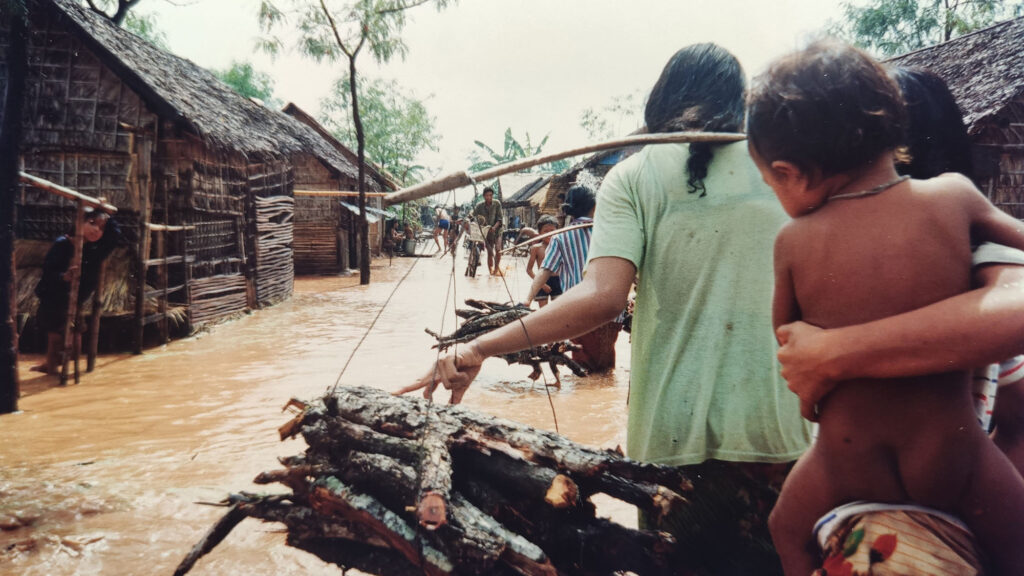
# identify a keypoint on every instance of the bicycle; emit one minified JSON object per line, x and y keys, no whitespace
{"x":474,"y":242}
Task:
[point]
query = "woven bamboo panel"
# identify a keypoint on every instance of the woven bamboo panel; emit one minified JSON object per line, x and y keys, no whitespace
{"x":316,"y":249}
{"x":72,"y":100}
{"x":275,"y":270}
{"x":215,"y":297}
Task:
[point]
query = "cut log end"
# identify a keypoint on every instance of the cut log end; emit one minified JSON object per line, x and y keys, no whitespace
{"x":432,"y":511}
{"x":292,"y":427}
{"x":563,"y":492}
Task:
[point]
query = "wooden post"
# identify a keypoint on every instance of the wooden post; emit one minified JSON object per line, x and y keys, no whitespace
{"x":161,"y":253}
{"x":14,"y":17}
{"x":140,"y":177}
{"x":72,"y":311}
{"x":94,"y":321}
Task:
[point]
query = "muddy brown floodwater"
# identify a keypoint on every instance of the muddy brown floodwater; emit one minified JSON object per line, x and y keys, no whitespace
{"x":104,"y":477}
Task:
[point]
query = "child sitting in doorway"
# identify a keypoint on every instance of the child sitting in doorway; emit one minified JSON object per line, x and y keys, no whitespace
{"x":866,"y":243}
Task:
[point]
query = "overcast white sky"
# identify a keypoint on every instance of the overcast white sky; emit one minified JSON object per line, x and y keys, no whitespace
{"x":482,"y":66}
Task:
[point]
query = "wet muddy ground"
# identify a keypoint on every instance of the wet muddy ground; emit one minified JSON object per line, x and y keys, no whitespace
{"x":104,"y":477}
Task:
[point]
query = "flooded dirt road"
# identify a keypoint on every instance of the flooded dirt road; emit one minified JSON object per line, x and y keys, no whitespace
{"x":103,"y":477}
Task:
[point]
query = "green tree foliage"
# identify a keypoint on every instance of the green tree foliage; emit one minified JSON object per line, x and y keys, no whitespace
{"x":485,"y":157}
{"x":329,"y":30}
{"x":891,"y":27}
{"x":249,"y":82}
{"x":146,"y":27}
{"x":397,"y":124}
{"x":615,"y":119}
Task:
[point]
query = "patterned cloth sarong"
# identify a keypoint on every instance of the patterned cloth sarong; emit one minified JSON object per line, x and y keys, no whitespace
{"x":862,"y":538}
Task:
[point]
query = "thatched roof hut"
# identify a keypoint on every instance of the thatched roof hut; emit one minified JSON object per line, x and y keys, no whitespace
{"x":518,"y":205}
{"x":108,"y":114}
{"x":325,"y":229}
{"x":985,"y":72}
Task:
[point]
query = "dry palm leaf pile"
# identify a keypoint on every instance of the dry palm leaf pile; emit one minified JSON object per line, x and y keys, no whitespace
{"x":394,"y":485}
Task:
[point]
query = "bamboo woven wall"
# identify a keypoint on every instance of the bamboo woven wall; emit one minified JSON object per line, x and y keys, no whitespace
{"x":317,"y":219}
{"x":71,"y":99}
{"x":1002,"y":144}
{"x":271,"y":213}
{"x":206,"y":189}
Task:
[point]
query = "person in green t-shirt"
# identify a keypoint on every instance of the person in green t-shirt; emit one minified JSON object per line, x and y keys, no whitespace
{"x":488,"y":214}
{"x":695,"y":224}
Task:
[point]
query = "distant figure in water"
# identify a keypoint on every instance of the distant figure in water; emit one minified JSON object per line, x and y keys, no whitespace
{"x":100,"y":236}
{"x":442,"y":225}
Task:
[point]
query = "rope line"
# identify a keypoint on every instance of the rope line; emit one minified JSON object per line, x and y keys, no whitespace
{"x":369,"y":328}
{"x":533,"y":351}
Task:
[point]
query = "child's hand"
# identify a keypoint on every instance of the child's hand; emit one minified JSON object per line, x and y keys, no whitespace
{"x":546,"y":289}
{"x":66,"y":276}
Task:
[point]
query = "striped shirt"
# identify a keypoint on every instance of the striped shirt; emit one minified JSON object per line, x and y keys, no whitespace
{"x":567,"y":254}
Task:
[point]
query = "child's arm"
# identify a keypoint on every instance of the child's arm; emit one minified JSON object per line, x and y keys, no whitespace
{"x":988,"y":223}
{"x":784,"y":305}
{"x":531,"y":262}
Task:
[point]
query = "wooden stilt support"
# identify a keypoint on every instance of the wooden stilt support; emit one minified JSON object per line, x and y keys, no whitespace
{"x":94,"y":320}
{"x":75,"y":270}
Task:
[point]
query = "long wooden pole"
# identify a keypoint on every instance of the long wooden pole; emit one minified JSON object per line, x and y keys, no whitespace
{"x":72,"y":311}
{"x":338,"y":193}
{"x":94,"y":320}
{"x":462,"y":178}
{"x":540,"y":237}
{"x":67,"y":193}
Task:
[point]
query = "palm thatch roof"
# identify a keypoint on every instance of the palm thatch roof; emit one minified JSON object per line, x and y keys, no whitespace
{"x":192,"y":97}
{"x":513,"y":186}
{"x":984,"y":69}
{"x":383,"y":180}
{"x":522,"y":196}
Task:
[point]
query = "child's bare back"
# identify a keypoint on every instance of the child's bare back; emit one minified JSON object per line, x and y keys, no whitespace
{"x":867,"y":257}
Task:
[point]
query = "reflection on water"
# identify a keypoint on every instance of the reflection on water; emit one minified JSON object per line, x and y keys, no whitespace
{"x":105,"y":477}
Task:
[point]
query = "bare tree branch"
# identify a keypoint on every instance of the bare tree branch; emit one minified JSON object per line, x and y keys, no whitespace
{"x":337,"y":36}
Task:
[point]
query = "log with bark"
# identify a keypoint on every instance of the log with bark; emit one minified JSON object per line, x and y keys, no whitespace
{"x":482,"y":317}
{"x":398,"y":485}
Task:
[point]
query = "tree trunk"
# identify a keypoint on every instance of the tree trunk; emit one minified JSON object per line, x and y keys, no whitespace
{"x":10,"y":138}
{"x":363,"y":227}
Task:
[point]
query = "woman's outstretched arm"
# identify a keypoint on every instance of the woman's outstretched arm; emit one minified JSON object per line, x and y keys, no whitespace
{"x":596,"y":300}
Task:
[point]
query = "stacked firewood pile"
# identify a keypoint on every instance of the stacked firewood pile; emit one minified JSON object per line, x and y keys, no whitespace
{"x":397,"y":485}
{"x":482,"y":317}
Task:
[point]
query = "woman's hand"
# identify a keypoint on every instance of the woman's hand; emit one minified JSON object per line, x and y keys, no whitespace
{"x":454,"y":371}
{"x":803,"y":353}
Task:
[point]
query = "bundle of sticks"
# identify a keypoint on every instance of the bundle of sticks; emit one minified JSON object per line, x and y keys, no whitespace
{"x":394,"y":485}
{"x":482,"y":317}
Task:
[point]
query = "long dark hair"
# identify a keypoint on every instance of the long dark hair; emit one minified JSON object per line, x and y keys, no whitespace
{"x":701,"y":88}
{"x":936,"y":137}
